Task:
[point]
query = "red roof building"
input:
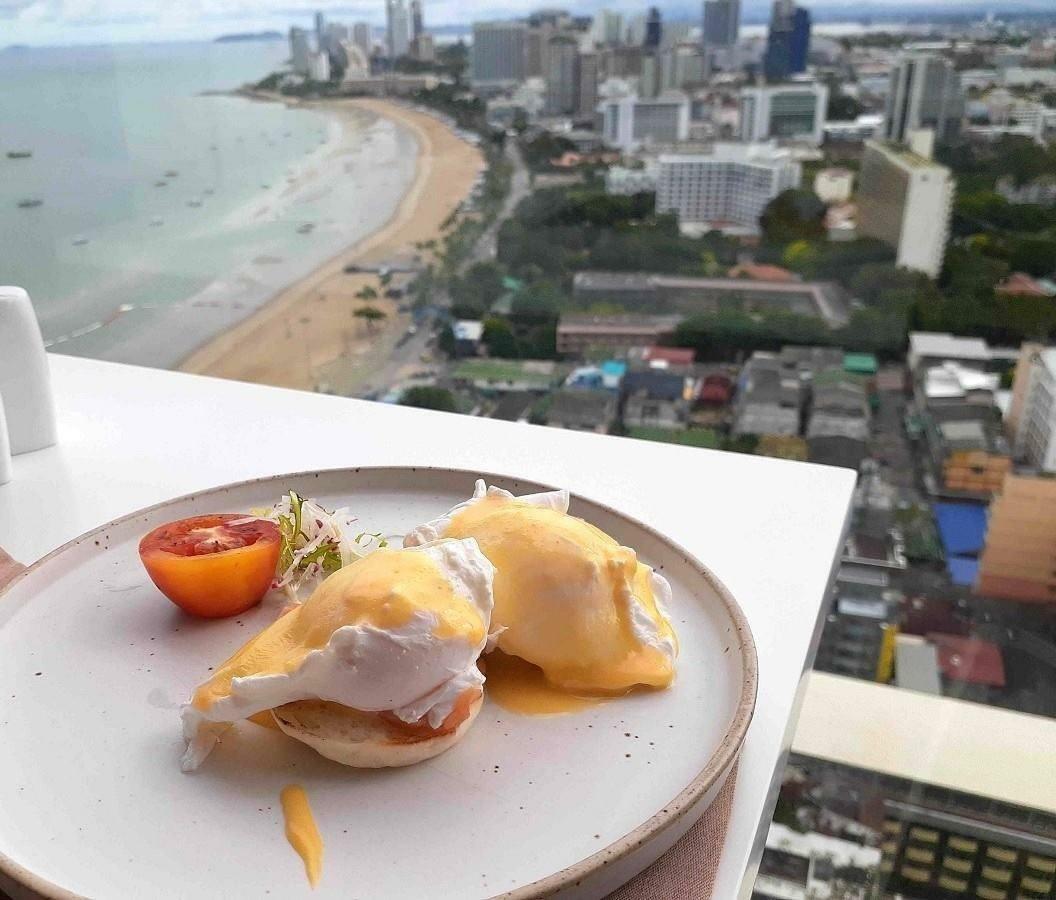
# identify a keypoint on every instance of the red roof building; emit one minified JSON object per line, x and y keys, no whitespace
{"x":673,"y":356}
{"x":762,"y":272}
{"x":1020,"y":284}
{"x":970,"y":660}
{"x":715,"y":390}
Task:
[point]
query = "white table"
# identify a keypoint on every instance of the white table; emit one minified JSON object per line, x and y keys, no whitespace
{"x":131,"y":437}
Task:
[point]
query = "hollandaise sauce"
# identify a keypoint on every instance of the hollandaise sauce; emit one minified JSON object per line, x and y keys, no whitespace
{"x":301,"y":831}
{"x":520,"y":687}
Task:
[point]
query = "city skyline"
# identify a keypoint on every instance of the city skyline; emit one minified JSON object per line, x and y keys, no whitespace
{"x":63,"y":22}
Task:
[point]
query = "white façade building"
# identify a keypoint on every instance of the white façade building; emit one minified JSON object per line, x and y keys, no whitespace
{"x":727,"y":189}
{"x":786,"y":112}
{"x":905,"y":200}
{"x":634,"y":123}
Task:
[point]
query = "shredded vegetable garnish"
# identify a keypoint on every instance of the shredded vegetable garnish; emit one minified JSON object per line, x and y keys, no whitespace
{"x":315,"y":541}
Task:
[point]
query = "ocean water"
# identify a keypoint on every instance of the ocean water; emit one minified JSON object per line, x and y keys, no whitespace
{"x":169,"y":213}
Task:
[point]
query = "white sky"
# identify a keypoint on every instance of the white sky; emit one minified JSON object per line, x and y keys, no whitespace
{"x":101,"y":21}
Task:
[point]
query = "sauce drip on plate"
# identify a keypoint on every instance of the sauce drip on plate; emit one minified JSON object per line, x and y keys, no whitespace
{"x":301,"y":831}
{"x":520,"y":687}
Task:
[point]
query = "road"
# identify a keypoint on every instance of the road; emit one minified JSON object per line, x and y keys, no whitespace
{"x":398,"y":360}
{"x":520,"y":186}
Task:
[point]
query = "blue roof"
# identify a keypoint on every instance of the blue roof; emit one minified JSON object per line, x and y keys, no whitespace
{"x":614,"y":367}
{"x":962,"y":527}
{"x":962,"y":569}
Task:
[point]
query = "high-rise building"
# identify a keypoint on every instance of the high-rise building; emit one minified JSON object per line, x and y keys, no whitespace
{"x":905,"y":200}
{"x":319,"y":66}
{"x":1031,"y":418}
{"x":800,"y":47}
{"x":586,"y":84}
{"x":362,"y":37}
{"x":561,"y":53}
{"x":619,"y":62}
{"x":607,"y":28}
{"x":681,"y":66}
{"x":635,"y":30}
{"x":535,"y":41}
{"x":300,"y":50}
{"x":654,"y":30}
{"x":498,"y":54}
{"x":777,"y":60}
{"x":925,"y":92}
{"x":320,"y":30}
{"x":728,"y":188}
{"x":649,"y":79}
{"x":397,"y":29}
{"x":784,"y":111}
{"x":417,"y":22}
{"x":423,"y":48}
{"x":630,"y":123}
{"x":1018,"y":561}
{"x":722,"y":21}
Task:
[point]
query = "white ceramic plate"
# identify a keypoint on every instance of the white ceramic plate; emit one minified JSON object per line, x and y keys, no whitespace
{"x":94,"y":662}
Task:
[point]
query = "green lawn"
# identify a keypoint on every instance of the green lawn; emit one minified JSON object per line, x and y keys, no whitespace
{"x":690,"y":437}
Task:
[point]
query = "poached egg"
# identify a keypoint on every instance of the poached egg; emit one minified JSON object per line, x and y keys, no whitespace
{"x":568,"y":597}
{"x":396,"y":631}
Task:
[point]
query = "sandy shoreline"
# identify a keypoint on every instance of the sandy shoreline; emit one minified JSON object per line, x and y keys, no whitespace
{"x":306,"y":334}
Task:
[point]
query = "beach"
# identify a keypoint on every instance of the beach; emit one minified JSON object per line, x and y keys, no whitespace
{"x":306,"y":336}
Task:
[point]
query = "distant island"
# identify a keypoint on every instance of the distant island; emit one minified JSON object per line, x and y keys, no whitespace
{"x":249,"y":36}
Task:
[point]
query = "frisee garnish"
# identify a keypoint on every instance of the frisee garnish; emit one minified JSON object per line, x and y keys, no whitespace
{"x":315,"y":541}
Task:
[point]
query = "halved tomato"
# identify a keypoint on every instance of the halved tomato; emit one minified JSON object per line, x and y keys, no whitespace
{"x":210,"y":567}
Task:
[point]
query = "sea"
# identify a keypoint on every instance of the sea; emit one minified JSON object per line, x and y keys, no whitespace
{"x":170,"y":209}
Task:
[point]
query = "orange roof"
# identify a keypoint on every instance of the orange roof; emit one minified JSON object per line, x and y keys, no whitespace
{"x":762,"y":272}
{"x":676,"y":356}
{"x":1020,"y":284}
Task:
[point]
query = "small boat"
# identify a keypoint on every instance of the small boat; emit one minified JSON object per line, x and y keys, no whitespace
{"x":161,"y":184}
{"x":156,"y":221}
{"x":194,"y":203}
{"x":19,"y":154}
{"x":30,"y":203}
{"x":212,"y":147}
{"x":172,"y":173}
{"x":208,"y":192}
{"x":306,"y":228}
{"x":80,"y":241}
{"x":265,"y":187}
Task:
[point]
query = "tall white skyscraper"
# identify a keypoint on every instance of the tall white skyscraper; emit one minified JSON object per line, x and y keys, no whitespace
{"x":300,"y":50}
{"x":607,"y":28}
{"x":397,"y":29}
{"x":905,"y":200}
{"x":417,"y":20}
{"x":925,"y":92}
{"x":498,"y":53}
{"x":362,"y":37}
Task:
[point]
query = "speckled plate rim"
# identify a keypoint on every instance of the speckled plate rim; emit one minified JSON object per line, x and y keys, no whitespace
{"x":717,"y":767}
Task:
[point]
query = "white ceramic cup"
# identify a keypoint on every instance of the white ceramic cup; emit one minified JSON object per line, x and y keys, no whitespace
{"x":25,"y":379}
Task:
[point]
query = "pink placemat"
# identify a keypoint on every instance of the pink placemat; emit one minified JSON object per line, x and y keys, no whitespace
{"x":687,"y":871}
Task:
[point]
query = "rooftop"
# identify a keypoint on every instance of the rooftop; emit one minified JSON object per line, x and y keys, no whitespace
{"x":579,"y":408}
{"x":948,"y":346}
{"x":842,"y":717}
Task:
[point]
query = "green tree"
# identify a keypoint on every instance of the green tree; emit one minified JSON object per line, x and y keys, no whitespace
{"x":802,"y":257}
{"x":367,"y":293}
{"x":795,"y":214}
{"x":371,"y":315}
{"x":499,"y":338}
{"x":446,"y":341}
{"x":429,"y":397}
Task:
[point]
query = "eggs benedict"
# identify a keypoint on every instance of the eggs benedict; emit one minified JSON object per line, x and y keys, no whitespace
{"x":568,"y":598}
{"x":378,"y":667}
